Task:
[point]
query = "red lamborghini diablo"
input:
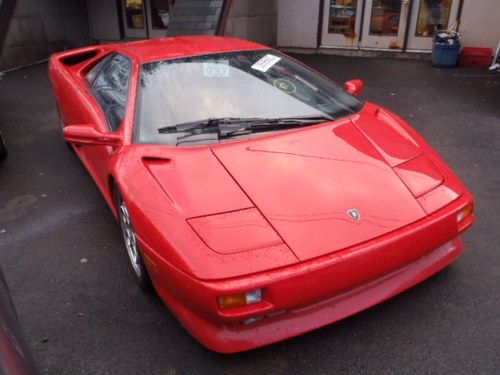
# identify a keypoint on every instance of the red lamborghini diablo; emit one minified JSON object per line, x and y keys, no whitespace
{"x":259,"y":199}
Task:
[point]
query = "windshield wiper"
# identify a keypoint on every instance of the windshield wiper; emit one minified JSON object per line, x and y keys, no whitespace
{"x":204,"y":124}
{"x":266,"y":125}
{"x":228,"y":126}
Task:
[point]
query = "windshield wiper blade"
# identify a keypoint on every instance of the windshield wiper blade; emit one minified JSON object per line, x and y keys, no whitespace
{"x":228,"y":127}
{"x":204,"y":124}
{"x":241,"y":122}
{"x":264,"y":125}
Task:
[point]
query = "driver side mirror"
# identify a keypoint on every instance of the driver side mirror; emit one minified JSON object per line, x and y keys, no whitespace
{"x":354,"y":87}
{"x":89,"y":135}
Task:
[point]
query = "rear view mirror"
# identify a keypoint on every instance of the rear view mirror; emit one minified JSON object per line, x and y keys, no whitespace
{"x":354,"y":87}
{"x":88,"y":135}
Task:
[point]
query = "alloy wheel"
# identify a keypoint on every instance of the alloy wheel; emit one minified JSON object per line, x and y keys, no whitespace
{"x":130,"y":239}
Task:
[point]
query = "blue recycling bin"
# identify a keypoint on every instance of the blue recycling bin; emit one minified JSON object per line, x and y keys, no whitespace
{"x":445,"y":55}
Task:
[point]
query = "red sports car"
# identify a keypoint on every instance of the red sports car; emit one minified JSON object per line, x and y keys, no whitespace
{"x":258,"y":198}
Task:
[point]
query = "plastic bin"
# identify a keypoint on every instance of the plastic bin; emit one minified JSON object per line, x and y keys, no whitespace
{"x":445,"y":55}
{"x":472,"y":57}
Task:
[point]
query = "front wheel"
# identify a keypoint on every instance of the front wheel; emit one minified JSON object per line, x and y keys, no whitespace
{"x":129,"y":237}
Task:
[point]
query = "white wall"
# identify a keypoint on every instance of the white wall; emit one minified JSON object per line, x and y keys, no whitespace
{"x":480,"y":24}
{"x":298,"y":23}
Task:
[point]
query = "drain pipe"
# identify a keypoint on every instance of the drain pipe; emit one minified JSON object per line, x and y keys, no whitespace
{"x":6,"y":12}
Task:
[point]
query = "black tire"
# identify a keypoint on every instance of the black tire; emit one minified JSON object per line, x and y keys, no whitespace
{"x":3,"y":148}
{"x":133,"y":251}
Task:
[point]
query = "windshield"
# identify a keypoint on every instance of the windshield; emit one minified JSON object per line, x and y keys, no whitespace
{"x":262,"y":84}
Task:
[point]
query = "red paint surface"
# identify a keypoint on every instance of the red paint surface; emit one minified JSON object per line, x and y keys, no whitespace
{"x":420,"y":175}
{"x":270,"y":212}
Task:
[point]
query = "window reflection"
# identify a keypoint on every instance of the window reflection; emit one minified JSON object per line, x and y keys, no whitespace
{"x":342,"y":16}
{"x":134,"y":10}
{"x":385,"y":17}
{"x":160,"y":13}
{"x":110,"y":88}
{"x":432,"y":13}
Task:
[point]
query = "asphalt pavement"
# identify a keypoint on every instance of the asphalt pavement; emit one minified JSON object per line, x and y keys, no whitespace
{"x":82,"y":313}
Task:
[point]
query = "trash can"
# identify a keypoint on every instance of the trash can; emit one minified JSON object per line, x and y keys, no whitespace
{"x":445,"y":49}
{"x":445,"y":55}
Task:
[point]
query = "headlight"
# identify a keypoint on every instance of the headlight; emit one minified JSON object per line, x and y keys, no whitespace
{"x":236,"y":231}
{"x":420,"y":175}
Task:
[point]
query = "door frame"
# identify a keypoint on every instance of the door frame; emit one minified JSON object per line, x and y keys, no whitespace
{"x":419,"y":43}
{"x":384,"y":42}
{"x":339,"y":40}
{"x":132,"y":33}
{"x":151,"y":31}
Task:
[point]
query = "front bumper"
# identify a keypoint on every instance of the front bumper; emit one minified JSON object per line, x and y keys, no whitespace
{"x":311,"y":294}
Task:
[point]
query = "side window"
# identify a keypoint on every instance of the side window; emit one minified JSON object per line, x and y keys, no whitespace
{"x":110,"y":88}
{"x":92,"y":74}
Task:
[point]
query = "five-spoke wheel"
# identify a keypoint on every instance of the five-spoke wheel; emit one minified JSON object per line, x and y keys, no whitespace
{"x":130,"y":239}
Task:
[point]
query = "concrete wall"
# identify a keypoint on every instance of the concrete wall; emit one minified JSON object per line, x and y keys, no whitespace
{"x":254,"y":20}
{"x":194,"y":17}
{"x":104,"y":20}
{"x":298,"y":23}
{"x":39,"y":28}
{"x":188,"y":17}
{"x":480,"y":23}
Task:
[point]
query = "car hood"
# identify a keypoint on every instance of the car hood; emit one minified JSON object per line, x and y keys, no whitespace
{"x":200,"y":207}
{"x":305,"y":182}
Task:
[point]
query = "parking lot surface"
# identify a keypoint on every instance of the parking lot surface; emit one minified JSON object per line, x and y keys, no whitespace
{"x":82,"y":313}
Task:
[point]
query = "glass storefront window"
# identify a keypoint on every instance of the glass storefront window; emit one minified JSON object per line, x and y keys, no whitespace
{"x":432,"y":13}
{"x":135,"y":14}
{"x":342,"y":16}
{"x":160,"y":13}
{"x":385,"y":17}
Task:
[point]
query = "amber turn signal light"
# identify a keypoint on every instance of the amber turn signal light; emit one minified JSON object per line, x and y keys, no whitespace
{"x":466,"y":212}
{"x":239,"y":299}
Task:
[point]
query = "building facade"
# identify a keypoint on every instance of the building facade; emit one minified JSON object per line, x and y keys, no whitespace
{"x":31,"y":30}
{"x":113,"y":20}
{"x":385,"y":25}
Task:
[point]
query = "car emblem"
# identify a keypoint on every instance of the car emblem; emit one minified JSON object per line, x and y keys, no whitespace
{"x":353,"y":213}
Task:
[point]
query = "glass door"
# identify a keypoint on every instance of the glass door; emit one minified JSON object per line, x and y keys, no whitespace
{"x":134,"y":19}
{"x":341,"y":23}
{"x":384,"y":24}
{"x":158,"y":17}
{"x":146,"y":18}
{"x":427,"y":14}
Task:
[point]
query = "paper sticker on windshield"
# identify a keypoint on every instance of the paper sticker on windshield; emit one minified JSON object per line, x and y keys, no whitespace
{"x":219,"y":68}
{"x":265,"y":63}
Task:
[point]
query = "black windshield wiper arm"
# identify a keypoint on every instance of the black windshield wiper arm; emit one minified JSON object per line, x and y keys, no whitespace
{"x":204,"y":124}
{"x":264,"y":125}
{"x":238,"y":123}
{"x":232,"y":126}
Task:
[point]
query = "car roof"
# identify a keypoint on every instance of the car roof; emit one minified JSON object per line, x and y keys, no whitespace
{"x":184,"y":46}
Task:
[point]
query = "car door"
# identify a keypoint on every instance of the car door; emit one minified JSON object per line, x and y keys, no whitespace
{"x":109,"y":83}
